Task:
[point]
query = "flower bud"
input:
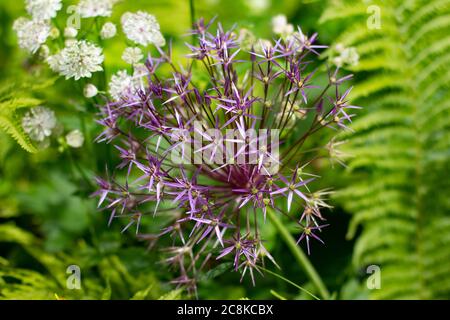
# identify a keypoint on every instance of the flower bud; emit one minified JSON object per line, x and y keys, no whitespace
{"x":75,"y":139}
{"x":108,"y":31}
{"x":70,"y":32}
{"x":90,"y":90}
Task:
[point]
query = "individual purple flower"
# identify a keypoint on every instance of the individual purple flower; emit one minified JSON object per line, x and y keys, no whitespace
{"x":307,"y":43}
{"x":308,"y":232}
{"x":242,"y":247}
{"x":340,"y":104}
{"x":291,"y":188}
{"x":300,"y":82}
{"x":213,"y":224}
{"x":237,"y":104}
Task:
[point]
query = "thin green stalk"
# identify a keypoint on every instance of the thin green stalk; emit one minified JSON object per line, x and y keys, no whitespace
{"x":288,"y":281}
{"x":301,"y":258}
{"x":277,"y":295}
{"x":192,"y":11}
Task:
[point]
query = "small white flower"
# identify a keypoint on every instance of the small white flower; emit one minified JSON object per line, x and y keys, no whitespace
{"x":347,"y":56}
{"x":258,"y":5}
{"x":108,"y":31}
{"x":70,"y":32}
{"x":90,"y":90}
{"x":75,"y":139}
{"x":31,"y":34}
{"x":278,"y":23}
{"x":78,"y":60}
{"x":142,"y":28}
{"x":281,"y":26}
{"x":122,"y":84}
{"x":132,"y":55}
{"x":43,"y":9}
{"x":38,"y":123}
{"x":96,"y":8}
{"x":350,"y":56}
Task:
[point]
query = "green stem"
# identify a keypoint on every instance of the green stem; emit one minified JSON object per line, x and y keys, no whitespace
{"x":290,"y":282}
{"x":301,"y":258}
{"x":277,"y":295}
{"x":192,"y":11}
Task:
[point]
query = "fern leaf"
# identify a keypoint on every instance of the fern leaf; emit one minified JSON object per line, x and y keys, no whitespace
{"x":11,"y":100}
{"x":398,"y":190}
{"x":14,"y":129}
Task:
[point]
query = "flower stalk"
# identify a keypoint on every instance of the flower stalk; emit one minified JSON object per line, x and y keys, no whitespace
{"x":299,"y":256}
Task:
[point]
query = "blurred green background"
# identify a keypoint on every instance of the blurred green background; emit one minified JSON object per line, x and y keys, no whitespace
{"x":392,"y":204}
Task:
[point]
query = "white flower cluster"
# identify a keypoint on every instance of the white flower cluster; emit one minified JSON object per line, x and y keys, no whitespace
{"x":281,"y":26}
{"x":38,"y":123}
{"x":122,"y":84}
{"x":96,"y":8}
{"x":258,"y":6}
{"x":43,"y":9}
{"x":132,"y":55}
{"x":31,"y":33}
{"x":142,"y":28}
{"x":78,"y":60}
{"x":346,"y":56}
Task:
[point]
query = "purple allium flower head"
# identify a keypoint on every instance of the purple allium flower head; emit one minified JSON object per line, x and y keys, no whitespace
{"x":206,"y":148}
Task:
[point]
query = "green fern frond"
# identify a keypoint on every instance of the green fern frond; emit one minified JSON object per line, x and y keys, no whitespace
{"x":375,"y":45}
{"x":13,"y":127}
{"x":434,"y":25}
{"x":376,"y":63}
{"x":13,"y":98}
{"x":400,"y":148}
{"x":378,"y":83}
{"x":427,"y":11}
{"x":17,"y":103}
{"x":344,"y":11}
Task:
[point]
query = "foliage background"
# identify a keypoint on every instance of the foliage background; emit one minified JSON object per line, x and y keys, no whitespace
{"x":392,"y":208}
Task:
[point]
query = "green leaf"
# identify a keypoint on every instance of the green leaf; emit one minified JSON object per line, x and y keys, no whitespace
{"x":13,"y":97}
{"x":397,"y":173}
{"x":12,"y":127}
{"x":9,"y":232}
{"x":143,"y":294}
{"x":172,"y":295}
